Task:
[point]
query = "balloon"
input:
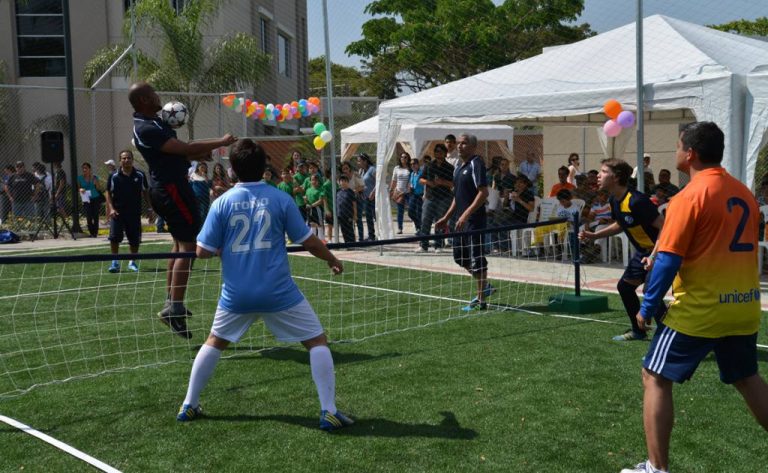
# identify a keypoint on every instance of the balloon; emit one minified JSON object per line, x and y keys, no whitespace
{"x":305,"y":112}
{"x":612,"y":108}
{"x":319,"y":128}
{"x":250,"y":110}
{"x":280,"y":118}
{"x":294,"y":110}
{"x":297,"y":115}
{"x":314,"y":101}
{"x":270,"y":107}
{"x":248,"y":103}
{"x":294,"y":104}
{"x":319,"y":143}
{"x":626,"y":119}
{"x":303,"y":103}
{"x":612,"y":128}
{"x":286,"y":111}
{"x":227,"y":101}
{"x":326,"y":136}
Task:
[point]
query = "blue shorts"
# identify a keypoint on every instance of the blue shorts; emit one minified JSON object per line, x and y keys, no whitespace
{"x":675,"y":356}
{"x":635,"y":270}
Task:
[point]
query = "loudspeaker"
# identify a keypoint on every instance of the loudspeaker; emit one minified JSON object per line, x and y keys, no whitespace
{"x":52,"y":146}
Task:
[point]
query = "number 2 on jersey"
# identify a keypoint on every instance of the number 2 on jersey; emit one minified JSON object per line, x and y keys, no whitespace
{"x":262,"y":218}
{"x":735,"y":245}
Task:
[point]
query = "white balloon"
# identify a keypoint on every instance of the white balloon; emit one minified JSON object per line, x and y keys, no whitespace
{"x":326,"y":136}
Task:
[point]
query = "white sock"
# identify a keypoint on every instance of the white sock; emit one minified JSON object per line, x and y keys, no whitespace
{"x":321,"y":362}
{"x":202,"y":369}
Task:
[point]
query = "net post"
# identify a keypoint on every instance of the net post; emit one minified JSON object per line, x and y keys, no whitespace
{"x":576,"y":255}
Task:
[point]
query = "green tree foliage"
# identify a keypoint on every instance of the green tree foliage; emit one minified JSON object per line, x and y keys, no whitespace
{"x":421,"y":44}
{"x":182,"y":63}
{"x":347,"y":81}
{"x":758,"y":27}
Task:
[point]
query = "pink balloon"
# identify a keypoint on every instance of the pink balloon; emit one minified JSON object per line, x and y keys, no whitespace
{"x":626,"y":119}
{"x":612,"y":128}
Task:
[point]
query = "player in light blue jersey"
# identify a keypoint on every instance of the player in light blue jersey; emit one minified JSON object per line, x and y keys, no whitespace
{"x":246,"y":227}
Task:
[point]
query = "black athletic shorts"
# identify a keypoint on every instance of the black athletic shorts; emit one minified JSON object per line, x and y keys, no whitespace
{"x":469,"y":251}
{"x":130,"y":225}
{"x":176,"y":203}
{"x":635,"y":270}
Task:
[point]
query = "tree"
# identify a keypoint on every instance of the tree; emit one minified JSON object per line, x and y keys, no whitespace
{"x":758,"y":27}
{"x":421,"y":44}
{"x":347,"y":81}
{"x":182,"y":63}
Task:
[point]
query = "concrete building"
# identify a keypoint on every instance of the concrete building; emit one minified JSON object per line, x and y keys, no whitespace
{"x":32,"y":50}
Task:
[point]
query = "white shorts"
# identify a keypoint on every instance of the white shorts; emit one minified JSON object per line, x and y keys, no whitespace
{"x":297,"y":324}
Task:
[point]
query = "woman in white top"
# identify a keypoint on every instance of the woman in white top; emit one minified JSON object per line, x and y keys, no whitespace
{"x":573,"y":168}
{"x":398,"y":188}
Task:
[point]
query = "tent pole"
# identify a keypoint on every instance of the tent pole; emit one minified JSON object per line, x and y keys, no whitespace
{"x":640,"y":97}
{"x":329,"y":86}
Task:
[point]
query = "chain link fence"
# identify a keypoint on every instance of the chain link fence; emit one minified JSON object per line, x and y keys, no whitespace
{"x":270,"y":54}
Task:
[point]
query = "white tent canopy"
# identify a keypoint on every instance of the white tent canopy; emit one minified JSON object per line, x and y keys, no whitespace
{"x":757,"y":115}
{"x":686,"y":67}
{"x":415,"y":137}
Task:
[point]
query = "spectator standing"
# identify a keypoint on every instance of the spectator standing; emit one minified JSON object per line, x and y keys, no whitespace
{"x":21,"y":188}
{"x":126,"y":188}
{"x":90,"y":193}
{"x":503,"y":182}
{"x":470,"y":193}
{"x":300,"y":175}
{"x":314,"y":199}
{"x":452,"y":153}
{"x":438,"y":193}
{"x":43,"y":192}
{"x":111,"y":167}
{"x":367,"y":173}
{"x":346,"y":209}
{"x":416,"y":194}
{"x":286,"y":185}
{"x":398,"y":188}
{"x":531,"y":169}
{"x":60,"y":192}
{"x":573,"y":168}
{"x":201,"y":187}
{"x":5,"y":196}
{"x":646,"y":166}
{"x":665,"y":178}
{"x":219,"y":182}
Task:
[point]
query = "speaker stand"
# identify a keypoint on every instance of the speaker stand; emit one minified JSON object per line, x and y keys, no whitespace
{"x":50,"y":221}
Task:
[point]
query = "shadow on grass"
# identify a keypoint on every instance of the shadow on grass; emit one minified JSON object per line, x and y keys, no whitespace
{"x":299,"y":355}
{"x":448,"y":428}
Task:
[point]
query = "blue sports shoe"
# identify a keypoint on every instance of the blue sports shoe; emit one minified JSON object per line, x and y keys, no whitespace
{"x":114,"y":267}
{"x":487,"y":292}
{"x":133,"y":266}
{"x":475,"y":305}
{"x":329,"y":422}
{"x":188,"y":413}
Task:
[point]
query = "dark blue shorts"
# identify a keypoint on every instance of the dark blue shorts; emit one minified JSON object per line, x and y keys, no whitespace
{"x":130,"y":225}
{"x":635,"y":270}
{"x":675,"y":356}
{"x":469,"y":252}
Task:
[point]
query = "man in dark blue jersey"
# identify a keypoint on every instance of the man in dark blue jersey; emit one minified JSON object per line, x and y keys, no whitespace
{"x":170,"y":192}
{"x":470,"y":191}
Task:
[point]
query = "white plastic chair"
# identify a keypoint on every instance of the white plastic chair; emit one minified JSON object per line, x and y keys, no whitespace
{"x":551,"y":237}
{"x":545,"y":208}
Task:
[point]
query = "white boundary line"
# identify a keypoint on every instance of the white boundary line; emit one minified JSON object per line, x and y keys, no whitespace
{"x":60,"y":445}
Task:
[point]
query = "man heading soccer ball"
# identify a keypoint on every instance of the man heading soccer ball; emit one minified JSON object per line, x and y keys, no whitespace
{"x":247,"y":227}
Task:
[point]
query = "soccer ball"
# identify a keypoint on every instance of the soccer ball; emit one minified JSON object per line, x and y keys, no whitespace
{"x":174,"y":114}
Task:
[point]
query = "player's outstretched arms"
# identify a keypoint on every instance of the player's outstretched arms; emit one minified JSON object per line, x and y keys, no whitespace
{"x":610,"y":230}
{"x":319,"y":250}
{"x":196,"y":148}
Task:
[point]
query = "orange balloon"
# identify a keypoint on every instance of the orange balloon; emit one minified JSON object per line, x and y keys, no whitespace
{"x":314,"y":100}
{"x":612,"y":108}
{"x":228,"y":100}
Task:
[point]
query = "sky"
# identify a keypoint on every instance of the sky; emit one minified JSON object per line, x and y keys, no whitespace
{"x":346,"y":17}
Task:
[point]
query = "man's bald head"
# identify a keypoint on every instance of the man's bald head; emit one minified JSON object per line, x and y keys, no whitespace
{"x":143,"y":98}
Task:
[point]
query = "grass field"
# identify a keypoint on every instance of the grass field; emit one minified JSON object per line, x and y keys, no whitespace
{"x":502,"y":391}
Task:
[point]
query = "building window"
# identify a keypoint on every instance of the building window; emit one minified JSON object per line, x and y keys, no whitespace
{"x":40,"y":38}
{"x":283,"y":56}
{"x":264,"y":35}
